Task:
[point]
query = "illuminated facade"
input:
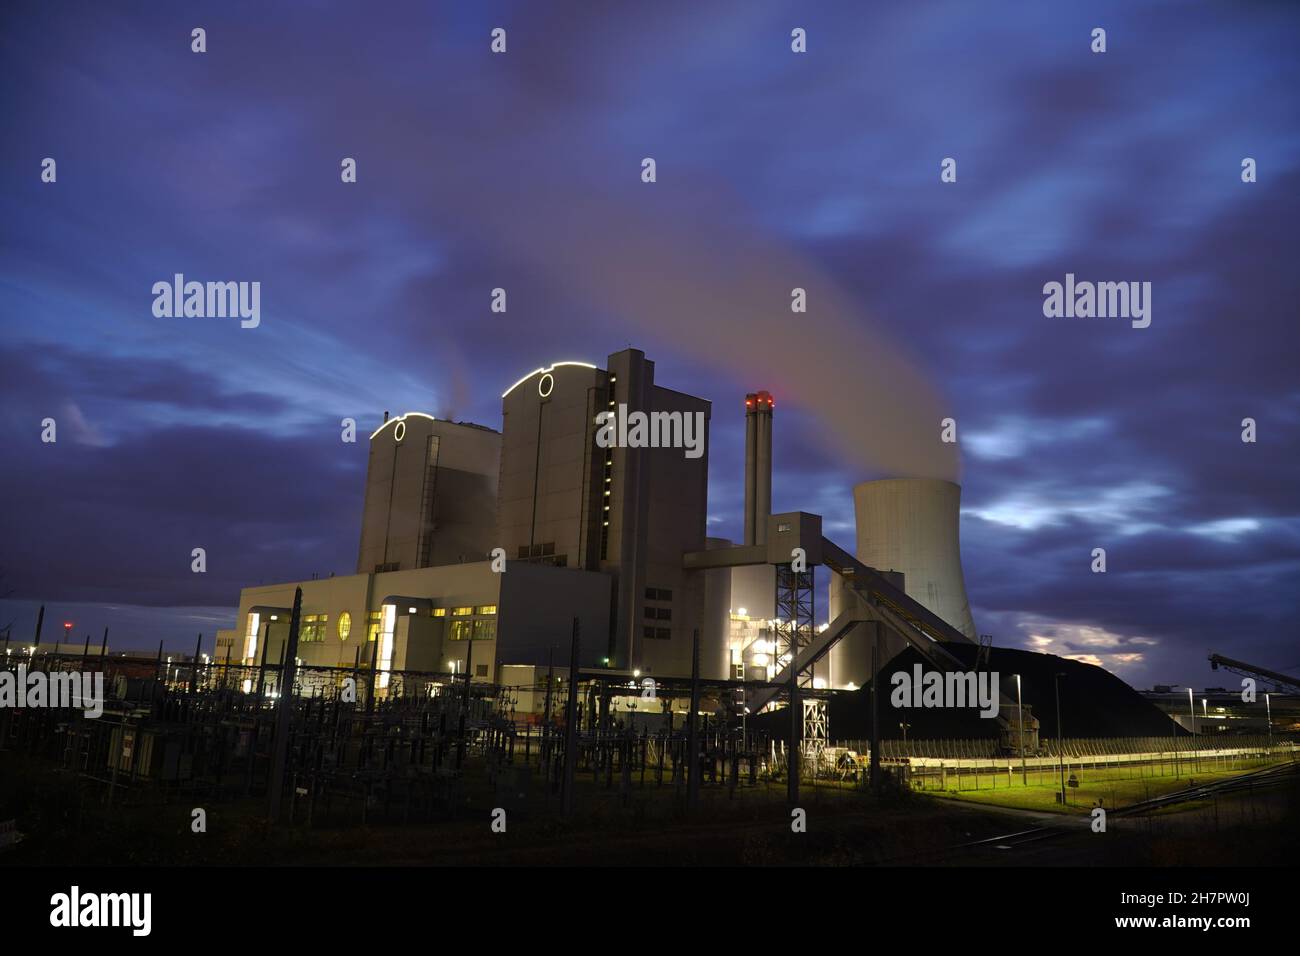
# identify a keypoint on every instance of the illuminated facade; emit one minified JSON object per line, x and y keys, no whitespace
{"x":587,"y":532}
{"x":627,"y":512}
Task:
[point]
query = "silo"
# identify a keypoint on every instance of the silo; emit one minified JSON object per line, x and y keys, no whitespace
{"x":911,"y":525}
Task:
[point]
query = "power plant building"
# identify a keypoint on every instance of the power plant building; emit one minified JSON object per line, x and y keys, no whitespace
{"x":480,"y":548}
{"x":628,"y":512}
{"x":431,"y":490}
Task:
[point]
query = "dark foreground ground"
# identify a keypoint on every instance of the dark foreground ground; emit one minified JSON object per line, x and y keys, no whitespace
{"x":66,"y":821}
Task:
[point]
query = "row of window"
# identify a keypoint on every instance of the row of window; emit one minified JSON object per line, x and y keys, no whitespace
{"x":313,"y":628}
{"x":658,"y":614}
{"x":536,"y":550}
{"x":543,"y":554}
{"x":658,"y":594}
{"x":478,"y":629}
{"x":657,"y":633}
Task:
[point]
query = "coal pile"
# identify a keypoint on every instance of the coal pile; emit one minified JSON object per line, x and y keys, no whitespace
{"x":1094,"y":702}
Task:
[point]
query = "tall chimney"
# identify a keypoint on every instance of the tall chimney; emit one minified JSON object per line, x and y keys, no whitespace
{"x":758,"y":465}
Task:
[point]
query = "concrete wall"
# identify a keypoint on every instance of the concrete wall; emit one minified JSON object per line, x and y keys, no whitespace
{"x":677,"y":491}
{"x":912,"y":525}
{"x":538,"y":605}
{"x":753,"y":587}
{"x":429,"y":503}
{"x":715,"y":655}
{"x":546,"y":466}
{"x":535,"y":607}
{"x":553,"y":495}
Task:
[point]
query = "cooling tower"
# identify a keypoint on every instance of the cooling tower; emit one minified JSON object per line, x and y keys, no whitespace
{"x":911,"y":525}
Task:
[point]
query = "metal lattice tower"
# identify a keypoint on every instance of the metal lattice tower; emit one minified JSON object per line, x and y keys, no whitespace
{"x":794,"y":616}
{"x":816,"y":731}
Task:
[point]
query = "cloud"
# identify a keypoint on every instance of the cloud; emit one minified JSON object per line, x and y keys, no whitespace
{"x":776,"y":170}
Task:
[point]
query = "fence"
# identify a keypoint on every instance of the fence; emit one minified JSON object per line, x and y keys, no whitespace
{"x":1118,"y":758}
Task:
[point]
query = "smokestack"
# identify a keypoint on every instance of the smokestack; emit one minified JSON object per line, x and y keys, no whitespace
{"x":911,"y":525}
{"x":758,"y":465}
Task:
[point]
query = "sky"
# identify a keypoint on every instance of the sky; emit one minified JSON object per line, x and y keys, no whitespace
{"x":774,"y":170}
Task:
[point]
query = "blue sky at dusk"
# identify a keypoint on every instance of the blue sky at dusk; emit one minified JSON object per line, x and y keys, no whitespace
{"x":775,"y":170}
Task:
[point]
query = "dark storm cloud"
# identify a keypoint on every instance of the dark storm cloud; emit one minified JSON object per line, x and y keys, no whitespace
{"x":116,"y":520}
{"x":775,"y":170}
{"x":118,"y":523}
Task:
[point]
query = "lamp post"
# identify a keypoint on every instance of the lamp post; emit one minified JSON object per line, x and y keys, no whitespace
{"x":904,"y":727}
{"x":1268,"y":708}
{"x":1060,"y":745}
{"x":1020,"y":719}
{"x":1191,"y":708}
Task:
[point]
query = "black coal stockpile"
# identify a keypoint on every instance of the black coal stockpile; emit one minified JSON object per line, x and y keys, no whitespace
{"x":1094,"y":702}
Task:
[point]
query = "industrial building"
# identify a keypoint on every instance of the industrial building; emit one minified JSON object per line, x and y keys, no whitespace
{"x":431,"y":490}
{"x":580,"y":532}
{"x":628,"y":513}
{"x":479,"y":548}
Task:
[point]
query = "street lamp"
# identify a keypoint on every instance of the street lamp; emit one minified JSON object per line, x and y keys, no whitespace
{"x":1268,"y":707}
{"x":1060,"y":745}
{"x":1020,"y":719}
{"x":904,"y":727}
{"x":1191,"y":707}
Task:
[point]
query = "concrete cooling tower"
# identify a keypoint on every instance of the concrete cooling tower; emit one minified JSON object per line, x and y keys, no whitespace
{"x":911,"y":525}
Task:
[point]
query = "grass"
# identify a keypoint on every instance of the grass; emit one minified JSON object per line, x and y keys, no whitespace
{"x":1115,"y":787}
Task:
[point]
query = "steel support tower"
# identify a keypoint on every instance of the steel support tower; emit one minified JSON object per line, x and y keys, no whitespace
{"x":794,"y":617}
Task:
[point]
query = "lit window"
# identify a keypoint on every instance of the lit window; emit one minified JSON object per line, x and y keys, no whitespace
{"x":487,"y":609}
{"x":344,"y":625}
{"x":439,"y":612}
{"x":461,"y":611}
